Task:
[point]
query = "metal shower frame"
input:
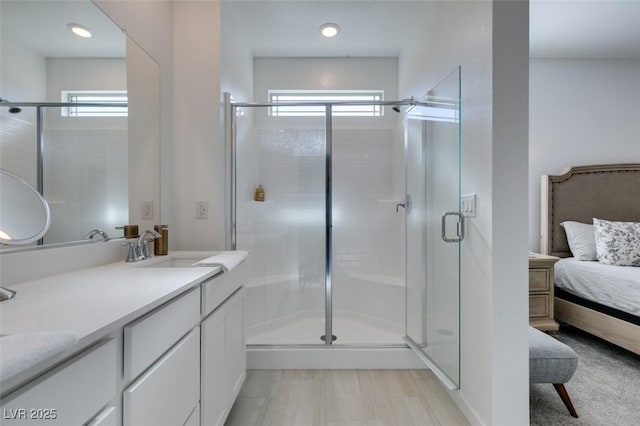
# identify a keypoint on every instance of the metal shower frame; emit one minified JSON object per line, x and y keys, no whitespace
{"x":231,"y":108}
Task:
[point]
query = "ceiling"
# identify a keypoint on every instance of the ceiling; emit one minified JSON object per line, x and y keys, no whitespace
{"x":585,"y":29}
{"x":291,"y":28}
{"x":42,"y":27}
{"x":567,"y":28}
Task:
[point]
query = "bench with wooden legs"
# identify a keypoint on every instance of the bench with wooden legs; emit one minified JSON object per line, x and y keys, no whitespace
{"x":551,"y":361}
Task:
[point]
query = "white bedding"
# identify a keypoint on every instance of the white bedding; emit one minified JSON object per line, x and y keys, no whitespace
{"x":613,"y":286}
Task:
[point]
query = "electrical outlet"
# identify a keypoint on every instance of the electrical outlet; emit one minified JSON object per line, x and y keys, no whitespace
{"x":147,"y":210}
{"x":468,"y":205}
{"x":202,"y":209}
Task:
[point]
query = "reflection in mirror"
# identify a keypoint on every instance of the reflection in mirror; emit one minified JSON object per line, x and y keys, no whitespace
{"x":80,"y":159}
{"x":24,"y":214}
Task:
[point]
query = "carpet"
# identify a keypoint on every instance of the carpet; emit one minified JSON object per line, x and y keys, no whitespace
{"x":605,"y":389}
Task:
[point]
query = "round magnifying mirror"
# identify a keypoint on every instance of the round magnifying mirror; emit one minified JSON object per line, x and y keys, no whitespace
{"x":24,"y":214}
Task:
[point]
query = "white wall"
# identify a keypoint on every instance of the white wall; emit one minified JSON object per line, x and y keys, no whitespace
{"x":236,"y":78}
{"x":325,"y":73}
{"x":582,"y":111}
{"x":236,"y":68}
{"x":150,"y":24}
{"x":490,"y":42}
{"x":199,"y":161}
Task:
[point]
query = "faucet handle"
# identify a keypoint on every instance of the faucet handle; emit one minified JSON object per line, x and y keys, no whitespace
{"x":152,"y":233}
{"x":132,"y":255}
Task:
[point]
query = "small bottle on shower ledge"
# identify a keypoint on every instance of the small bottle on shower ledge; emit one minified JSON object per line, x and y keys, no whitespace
{"x":259,"y":194}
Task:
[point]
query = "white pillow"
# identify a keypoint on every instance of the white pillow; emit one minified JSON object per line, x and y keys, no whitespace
{"x":617,"y":243}
{"x":581,"y":239}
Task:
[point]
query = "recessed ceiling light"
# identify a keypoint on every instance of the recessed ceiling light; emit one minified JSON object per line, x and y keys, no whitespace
{"x":79,"y":30}
{"x":329,"y":30}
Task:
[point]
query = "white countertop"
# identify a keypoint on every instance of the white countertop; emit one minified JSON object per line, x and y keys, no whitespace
{"x":94,"y":302}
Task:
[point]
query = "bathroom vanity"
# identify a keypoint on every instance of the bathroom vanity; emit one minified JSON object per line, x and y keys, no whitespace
{"x":156,"y":345}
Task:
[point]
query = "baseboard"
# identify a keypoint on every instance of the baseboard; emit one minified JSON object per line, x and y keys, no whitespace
{"x":333,"y":358}
{"x":467,"y":410}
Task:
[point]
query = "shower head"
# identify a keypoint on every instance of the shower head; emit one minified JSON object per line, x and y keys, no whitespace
{"x":12,"y":109}
{"x":406,"y":101}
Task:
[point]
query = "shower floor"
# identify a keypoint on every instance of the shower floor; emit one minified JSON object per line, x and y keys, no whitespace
{"x":305,"y":328}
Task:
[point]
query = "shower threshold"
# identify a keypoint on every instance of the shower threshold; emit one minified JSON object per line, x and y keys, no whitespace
{"x":304,"y":328}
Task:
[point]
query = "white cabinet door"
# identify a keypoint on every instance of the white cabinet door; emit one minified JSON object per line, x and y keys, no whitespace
{"x":167,"y":392}
{"x":214,"y":399}
{"x":235,"y":347}
{"x":223,"y":359}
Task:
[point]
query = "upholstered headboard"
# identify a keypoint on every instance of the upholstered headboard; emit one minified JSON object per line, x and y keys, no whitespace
{"x":610,"y":191}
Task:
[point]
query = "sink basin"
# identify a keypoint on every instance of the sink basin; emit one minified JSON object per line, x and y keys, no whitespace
{"x":175,"y":262}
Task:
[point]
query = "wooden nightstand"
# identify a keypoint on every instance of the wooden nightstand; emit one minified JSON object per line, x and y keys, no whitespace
{"x":541,"y":292}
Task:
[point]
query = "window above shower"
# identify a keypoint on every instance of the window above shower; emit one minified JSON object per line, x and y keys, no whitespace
{"x":104,"y":97}
{"x":320,"y":96}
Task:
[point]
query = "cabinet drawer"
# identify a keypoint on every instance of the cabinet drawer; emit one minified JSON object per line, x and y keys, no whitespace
{"x":217,"y":289}
{"x":149,"y":337}
{"x":538,"y":306}
{"x":167,"y":393}
{"x":539,"y":280}
{"x":70,"y":394}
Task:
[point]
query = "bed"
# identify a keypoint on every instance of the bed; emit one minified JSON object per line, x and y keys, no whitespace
{"x":603,"y":300}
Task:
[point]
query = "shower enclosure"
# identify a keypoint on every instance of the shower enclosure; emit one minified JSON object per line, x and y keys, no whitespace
{"x":343,"y":244}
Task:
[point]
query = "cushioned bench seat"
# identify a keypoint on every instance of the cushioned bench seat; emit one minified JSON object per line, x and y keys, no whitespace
{"x":551,"y":361}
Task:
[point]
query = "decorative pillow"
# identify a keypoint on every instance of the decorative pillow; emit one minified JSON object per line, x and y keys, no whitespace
{"x":581,"y":239}
{"x":617,"y":243}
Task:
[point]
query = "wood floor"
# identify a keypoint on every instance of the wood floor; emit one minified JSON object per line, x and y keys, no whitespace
{"x":343,"y":397}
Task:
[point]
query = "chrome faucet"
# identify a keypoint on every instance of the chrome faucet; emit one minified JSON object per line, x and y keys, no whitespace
{"x":138,"y":249}
{"x":95,"y":232}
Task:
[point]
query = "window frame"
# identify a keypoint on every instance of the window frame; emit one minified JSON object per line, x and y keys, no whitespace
{"x":94,"y":97}
{"x":311,"y":103}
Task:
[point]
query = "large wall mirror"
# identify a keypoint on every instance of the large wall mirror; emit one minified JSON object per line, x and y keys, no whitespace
{"x":97,"y":168}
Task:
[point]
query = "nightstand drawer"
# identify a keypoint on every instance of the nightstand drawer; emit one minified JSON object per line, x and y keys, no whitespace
{"x":538,"y":306}
{"x":539,"y":280}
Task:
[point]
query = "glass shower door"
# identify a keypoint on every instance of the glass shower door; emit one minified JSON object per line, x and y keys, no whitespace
{"x":285,"y":230}
{"x":434,"y":229}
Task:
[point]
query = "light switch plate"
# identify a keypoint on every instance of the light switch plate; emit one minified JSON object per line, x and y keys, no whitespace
{"x":468,"y":205}
{"x":147,"y":210}
{"x":202,"y":209}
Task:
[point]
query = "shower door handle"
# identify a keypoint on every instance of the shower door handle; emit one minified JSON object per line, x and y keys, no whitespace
{"x":459,"y":227}
{"x":406,"y":205}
